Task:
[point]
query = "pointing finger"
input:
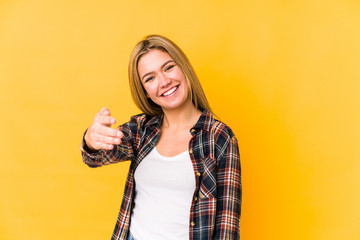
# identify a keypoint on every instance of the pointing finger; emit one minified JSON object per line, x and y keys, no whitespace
{"x":105,"y":111}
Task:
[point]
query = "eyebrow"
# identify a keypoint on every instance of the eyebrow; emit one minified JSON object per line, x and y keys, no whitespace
{"x":164,"y":64}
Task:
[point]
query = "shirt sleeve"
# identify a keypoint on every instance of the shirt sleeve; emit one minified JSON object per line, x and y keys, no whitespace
{"x":229,"y":192}
{"x":123,"y":151}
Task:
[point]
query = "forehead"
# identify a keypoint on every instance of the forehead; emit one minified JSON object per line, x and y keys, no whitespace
{"x":152,"y":60}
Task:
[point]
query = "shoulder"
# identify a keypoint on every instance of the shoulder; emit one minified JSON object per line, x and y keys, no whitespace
{"x":224,"y":140}
{"x":224,"y":137}
{"x":215,"y":130}
{"x":220,"y":129}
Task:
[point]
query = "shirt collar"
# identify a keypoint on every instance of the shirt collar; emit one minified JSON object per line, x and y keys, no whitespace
{"x":205,"y":121}
{"x":155,"y":120}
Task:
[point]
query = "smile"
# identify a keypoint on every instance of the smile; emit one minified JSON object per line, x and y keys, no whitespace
{"x":167,"y":93}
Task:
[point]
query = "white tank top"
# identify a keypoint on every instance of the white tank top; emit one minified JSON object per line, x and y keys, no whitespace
{"x":164,"y":190}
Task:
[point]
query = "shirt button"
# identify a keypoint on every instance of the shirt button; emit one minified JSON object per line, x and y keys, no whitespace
{"x":192,"y":224}
{"x":192,"y":130}
{"x":195,"y":199}
{"x":198,"y":174}
{"x":190,"y":151}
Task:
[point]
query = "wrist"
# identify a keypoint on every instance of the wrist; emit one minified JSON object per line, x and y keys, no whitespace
{"x":88,"y":146}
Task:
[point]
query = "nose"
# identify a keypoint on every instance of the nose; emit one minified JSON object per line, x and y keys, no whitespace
{"x":163,"y":80}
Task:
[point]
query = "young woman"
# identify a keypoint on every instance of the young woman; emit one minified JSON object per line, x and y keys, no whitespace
{"x":184,"y":180}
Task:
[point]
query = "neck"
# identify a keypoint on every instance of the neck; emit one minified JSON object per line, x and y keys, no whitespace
{"x":184,"y":117}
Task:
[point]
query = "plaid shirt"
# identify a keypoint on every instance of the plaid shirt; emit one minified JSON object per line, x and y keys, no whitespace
{"x":216,"y":206}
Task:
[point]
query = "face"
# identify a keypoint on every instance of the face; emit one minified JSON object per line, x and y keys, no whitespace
{"x":164,"y":82}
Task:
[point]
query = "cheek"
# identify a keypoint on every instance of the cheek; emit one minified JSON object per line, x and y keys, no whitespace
{"x":186,"y":83}
{"x":179,"y":73}
{"x":149,"y":89}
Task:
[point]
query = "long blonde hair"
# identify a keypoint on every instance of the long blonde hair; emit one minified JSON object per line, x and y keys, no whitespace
{"x":137,"y":90}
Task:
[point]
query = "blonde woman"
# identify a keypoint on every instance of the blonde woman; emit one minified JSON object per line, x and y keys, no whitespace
{"x":184,"y":180}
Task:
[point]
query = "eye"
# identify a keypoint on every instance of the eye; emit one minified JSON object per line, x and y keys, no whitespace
{"x":169,"y":67}
{"x":149,"y":79}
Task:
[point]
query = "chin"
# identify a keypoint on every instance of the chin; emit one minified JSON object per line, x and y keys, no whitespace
{"x":173,"y":106}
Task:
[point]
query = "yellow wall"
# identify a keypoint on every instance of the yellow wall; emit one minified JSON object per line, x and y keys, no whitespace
{"x":285,"y":75}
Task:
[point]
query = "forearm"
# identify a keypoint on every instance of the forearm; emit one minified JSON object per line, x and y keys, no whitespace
{"x":102,"y":157}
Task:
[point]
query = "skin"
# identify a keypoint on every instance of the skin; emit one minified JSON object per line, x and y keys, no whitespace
{"x":159,"y":74}
{"x":100,"y":135}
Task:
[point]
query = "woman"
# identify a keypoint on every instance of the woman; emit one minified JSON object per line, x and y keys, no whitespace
{"x":184,"y":180}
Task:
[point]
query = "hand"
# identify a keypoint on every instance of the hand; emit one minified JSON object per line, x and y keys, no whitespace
{"x":100,"y":135}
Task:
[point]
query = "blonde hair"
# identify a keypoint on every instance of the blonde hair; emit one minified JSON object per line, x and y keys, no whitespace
{"x":137,"y":90}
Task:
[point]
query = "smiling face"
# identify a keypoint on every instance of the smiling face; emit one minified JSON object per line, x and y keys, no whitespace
{"x":163,"y":81}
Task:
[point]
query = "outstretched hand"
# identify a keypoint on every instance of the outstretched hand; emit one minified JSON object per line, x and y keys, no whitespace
{"x":100,"y":135}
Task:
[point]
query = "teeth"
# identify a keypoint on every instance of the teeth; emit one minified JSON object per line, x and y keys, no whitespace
{"x":170,"y":91}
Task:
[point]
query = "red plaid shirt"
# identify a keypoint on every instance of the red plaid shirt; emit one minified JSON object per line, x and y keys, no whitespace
{"x":216,"y":206}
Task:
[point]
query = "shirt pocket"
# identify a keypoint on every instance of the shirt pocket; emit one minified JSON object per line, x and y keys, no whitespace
{"x":208,"y":181}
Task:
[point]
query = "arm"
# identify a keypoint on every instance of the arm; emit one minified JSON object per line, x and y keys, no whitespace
{"x":98,"y":158}
{"x":103,"y":145}
{"x":229,"y":191}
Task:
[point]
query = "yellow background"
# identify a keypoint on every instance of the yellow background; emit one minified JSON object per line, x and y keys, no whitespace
{"x":284,"y":75}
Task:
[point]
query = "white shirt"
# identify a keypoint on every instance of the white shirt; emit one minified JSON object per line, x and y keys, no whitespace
{"x":164,"y":191}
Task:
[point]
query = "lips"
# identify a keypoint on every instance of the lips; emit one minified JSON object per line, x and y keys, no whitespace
{"x":170,"y":91}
